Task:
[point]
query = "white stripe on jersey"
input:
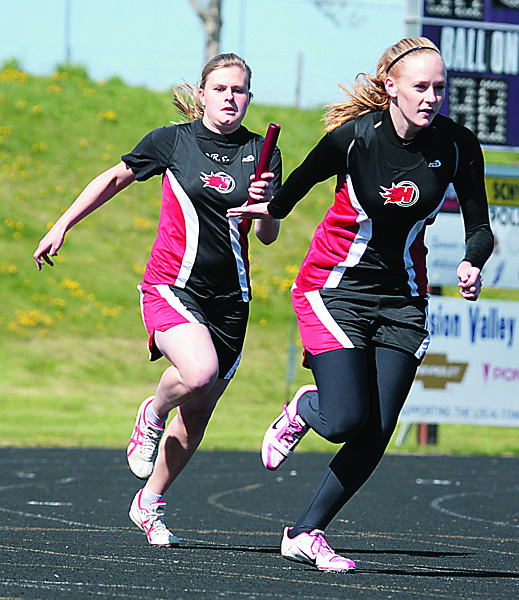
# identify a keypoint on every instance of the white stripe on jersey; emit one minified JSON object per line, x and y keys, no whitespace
{"x":408,"y":259}
{"x":173,"y":300}
{"x":323,"y":314}
{"x":234,"y":234}
{"x":141,"y":294}
{"x":420,"y":353}
{"x":358,"y":247}
{"x":192,"y":230}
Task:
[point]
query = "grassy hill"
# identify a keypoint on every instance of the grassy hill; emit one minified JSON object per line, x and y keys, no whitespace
{"x":74,"y":359}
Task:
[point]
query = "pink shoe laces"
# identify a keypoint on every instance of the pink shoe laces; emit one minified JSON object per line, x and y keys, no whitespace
{"x":319,"y":543}
{"x":321,"y":547}
{"x":294,"y":431}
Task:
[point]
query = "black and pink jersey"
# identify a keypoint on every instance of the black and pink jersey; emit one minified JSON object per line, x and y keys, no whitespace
{"x":204,"y":174}
{"x":387,"y":191}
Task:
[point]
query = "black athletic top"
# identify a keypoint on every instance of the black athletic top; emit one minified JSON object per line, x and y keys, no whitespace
{"x":387,"y":191}
{"x":204,"y":174}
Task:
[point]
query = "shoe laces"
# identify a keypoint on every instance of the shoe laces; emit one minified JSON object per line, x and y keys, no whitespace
{"x":321,"y":546}
{"x":294,"y":430}
{"x":150,"y":441}
{"x":155,"y":517}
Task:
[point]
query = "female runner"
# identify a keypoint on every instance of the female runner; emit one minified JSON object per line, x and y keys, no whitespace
{"x":361,"y":294}
{"x":196,"y":289}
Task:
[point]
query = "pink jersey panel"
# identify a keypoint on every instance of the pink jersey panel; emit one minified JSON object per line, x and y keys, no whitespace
{"x":319,"y":331}
{"x":169,"y":249}
{"x":334,"y":239}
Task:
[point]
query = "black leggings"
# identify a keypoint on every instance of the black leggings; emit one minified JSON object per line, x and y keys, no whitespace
{"x":361,"y":393}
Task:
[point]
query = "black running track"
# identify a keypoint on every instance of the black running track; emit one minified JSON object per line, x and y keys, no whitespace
{"x":438,"y":528}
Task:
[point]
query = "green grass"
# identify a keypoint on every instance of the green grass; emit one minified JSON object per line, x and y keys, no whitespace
{"x":73,"y":358}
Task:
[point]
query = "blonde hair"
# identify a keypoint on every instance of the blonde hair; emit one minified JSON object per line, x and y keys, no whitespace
{"x":186,"y":97}
{"x":368,"y":92}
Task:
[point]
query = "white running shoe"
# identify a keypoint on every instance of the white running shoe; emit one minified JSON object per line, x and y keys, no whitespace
{"x":285,"y":432}
{"x":151,"y":521}
{"x":144,"y":443}
{"x":313,"y":549}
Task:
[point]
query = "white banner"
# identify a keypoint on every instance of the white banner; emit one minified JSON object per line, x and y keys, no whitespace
{"x":470,"y":373}
{"x":445,"y":240}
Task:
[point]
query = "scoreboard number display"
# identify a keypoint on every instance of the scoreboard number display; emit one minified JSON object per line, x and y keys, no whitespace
{"x":454,"y":9}
{"x":481,"y":105}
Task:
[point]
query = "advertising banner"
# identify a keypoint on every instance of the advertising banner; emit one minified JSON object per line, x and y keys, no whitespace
{"x":445,"y":239}
{"x":470,"y":373}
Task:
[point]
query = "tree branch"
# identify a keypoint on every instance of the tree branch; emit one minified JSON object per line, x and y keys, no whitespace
{"x":198,"y":10}
{"x":326,"y":7}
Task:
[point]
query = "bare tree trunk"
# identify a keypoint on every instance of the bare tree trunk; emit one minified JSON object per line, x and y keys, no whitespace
{"x":211,"y":17}
{"x":210,"y":13}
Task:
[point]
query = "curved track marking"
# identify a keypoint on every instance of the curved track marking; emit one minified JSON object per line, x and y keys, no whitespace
{"x":437,"y":505}
{"x":213,"y":501}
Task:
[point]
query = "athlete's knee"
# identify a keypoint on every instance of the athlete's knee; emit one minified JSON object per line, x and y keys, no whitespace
{"x":199,"y":382}
{"x":180,"y":385}
{"x":341,"y":428}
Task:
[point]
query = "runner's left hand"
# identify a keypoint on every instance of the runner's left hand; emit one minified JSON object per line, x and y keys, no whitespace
{"x":470,"y":280}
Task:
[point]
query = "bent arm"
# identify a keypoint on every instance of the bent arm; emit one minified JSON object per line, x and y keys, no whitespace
{"x":469,"y":184}
{"x":266,"y":230}
{"x":326,"y":160}
{"x":97,"y":192}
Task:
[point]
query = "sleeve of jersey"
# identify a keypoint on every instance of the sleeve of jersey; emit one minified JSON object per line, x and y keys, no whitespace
{"x":276,"y":168}
{"x":328,"y":158}
{"x":469,"y":184}
{"x":150,"y":156}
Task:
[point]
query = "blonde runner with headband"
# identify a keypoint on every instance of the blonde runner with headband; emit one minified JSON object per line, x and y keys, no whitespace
{"x":361,"y":294}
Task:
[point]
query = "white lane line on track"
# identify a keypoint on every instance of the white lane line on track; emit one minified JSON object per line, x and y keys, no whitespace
{"x":21,"y":513}
{"x":119,"y":590}
{"x":33,"y":483}
{"x":36,"y":503}
{"x":437,"y":505}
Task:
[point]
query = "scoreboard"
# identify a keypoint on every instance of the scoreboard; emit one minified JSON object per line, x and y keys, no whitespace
{"x":479,"y":42}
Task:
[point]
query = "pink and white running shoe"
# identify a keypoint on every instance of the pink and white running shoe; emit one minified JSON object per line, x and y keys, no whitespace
{"x":144,"y":443}
{"x":313,"y":549}
{"x":151,"y":521}
{"x":285,"y":432}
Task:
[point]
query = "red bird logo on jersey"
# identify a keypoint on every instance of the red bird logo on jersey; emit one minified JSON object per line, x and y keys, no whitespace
{"x":405,"y":193}
{"x":221,"y":182}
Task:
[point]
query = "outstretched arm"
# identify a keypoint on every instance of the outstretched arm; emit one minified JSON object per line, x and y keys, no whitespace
{"x":96,"y":193}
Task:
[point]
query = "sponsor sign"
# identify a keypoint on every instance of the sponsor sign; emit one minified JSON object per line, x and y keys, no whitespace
{"x":445,"y":239}
{"x":470,"y":373}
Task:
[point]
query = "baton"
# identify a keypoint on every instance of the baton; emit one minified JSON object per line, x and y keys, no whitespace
{"x":267,"y":151}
